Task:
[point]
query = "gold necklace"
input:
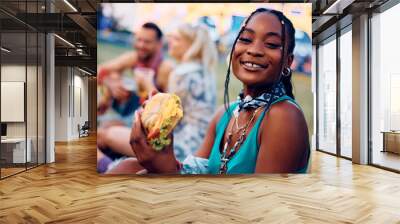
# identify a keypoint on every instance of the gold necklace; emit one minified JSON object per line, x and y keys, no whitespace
{"x":226,"y":157}
{"x":237,"y":120}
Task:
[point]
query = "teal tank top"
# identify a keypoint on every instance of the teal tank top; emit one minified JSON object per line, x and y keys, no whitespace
{"x":244,"y":160}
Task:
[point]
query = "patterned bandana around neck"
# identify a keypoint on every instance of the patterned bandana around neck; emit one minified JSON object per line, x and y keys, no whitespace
{"x":263,"y":100}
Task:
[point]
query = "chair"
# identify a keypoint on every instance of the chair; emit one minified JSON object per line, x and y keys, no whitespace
{"x":84,"y":130}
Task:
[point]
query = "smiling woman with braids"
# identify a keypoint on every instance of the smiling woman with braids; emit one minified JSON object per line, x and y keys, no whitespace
{"x":264,"y":131}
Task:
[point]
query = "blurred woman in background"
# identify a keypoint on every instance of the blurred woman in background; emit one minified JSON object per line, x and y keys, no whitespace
{"x":193,"y":80}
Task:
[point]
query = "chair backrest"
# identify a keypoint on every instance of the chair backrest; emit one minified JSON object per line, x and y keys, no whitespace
{"x":86,"y":125}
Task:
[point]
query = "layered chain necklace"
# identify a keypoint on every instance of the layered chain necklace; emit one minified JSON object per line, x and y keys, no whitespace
{"x":246,"y":103}
{"x":227,"y":156}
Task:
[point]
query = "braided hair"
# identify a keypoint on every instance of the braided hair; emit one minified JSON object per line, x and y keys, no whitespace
{"x":287,"y":28}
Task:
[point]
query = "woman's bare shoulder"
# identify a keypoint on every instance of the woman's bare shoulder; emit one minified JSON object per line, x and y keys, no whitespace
{"x":284,"y":139}
{"x":286,"y":109}
{"x":286,"y":118}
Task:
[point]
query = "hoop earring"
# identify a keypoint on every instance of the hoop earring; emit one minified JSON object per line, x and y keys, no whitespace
{"x":286,"y":72}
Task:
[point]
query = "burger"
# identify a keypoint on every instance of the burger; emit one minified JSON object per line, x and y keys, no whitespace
{"x":160,"y":116}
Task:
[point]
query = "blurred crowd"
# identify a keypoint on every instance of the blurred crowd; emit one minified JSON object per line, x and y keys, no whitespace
{"x":112,"y":31}
{"x":188,"y":70}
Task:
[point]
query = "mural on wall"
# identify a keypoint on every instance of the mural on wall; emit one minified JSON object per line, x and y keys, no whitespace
{"x":163,"y":74}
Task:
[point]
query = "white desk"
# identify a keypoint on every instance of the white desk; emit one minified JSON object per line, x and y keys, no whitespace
{"x":18,"y":150}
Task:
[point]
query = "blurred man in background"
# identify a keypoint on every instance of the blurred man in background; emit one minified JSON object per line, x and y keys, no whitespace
{"x":146,"y":61}
{"x":147,"y":53}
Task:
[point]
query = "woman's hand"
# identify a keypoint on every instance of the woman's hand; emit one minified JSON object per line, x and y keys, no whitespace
{"x":163,"y":161}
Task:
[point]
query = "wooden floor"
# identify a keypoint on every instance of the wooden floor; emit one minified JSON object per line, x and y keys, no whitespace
{"x":5,"y":172}
{"x":387,"y":159}
{"x":70,"y":191}
{"x":10,"y":171}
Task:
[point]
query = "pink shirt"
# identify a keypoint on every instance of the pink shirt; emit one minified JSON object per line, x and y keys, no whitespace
{"x":154,"y":63}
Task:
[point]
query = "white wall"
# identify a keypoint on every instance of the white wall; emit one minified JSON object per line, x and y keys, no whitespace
{"x":71,"y":93}
{"x":80,"y":100}
{"x":61,"y":103}
{"x":33,"y":127}
{"x":14,"y":73}
{"x":314,"y":91}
